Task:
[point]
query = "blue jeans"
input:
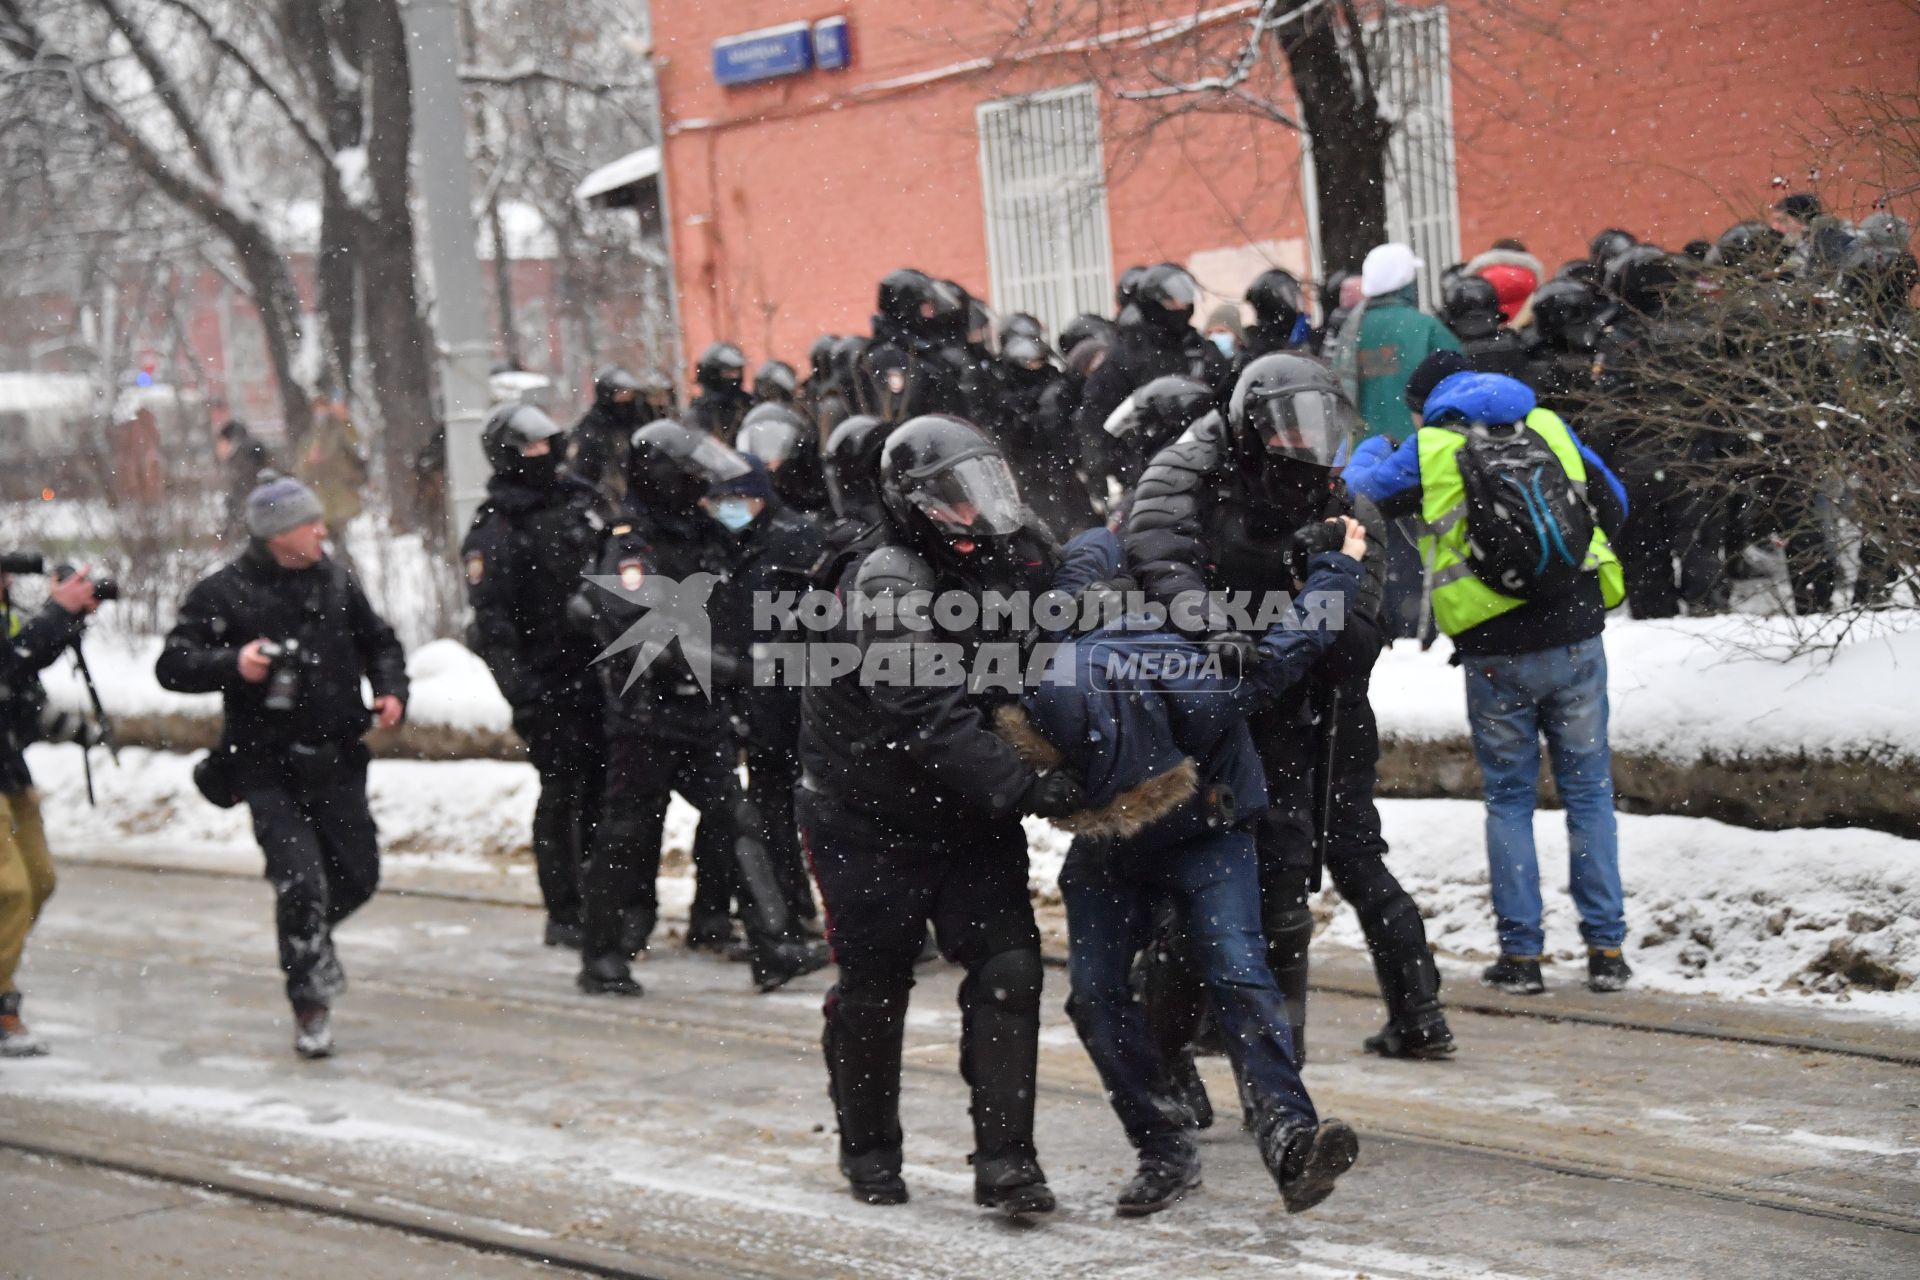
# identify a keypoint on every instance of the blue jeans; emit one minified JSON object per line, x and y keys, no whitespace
{"x":1511,"y":701}
{"x":1107,"y":896}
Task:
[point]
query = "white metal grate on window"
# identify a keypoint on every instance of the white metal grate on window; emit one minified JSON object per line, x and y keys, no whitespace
{"x":1416,"y":93}
{"x":1044,"y":177}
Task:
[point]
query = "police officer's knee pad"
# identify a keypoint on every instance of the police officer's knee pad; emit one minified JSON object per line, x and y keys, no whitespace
{"x":1395,"y":916}
{"x":1009,"y":981}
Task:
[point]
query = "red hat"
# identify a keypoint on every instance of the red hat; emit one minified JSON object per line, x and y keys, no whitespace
{"x":1512,"y":285}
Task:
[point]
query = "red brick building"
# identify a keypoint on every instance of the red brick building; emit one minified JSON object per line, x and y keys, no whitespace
{"x":787,"y":198}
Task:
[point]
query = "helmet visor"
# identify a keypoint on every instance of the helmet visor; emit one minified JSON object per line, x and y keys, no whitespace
{"x":772,"y":440}
{"x":1314,"y":426}
{"x":715,"y":461}
{"x":974,"y":498}
{"x":1126,"y":419}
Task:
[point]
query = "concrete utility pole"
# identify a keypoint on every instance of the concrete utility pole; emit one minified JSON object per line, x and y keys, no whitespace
{"x":460,"y":311}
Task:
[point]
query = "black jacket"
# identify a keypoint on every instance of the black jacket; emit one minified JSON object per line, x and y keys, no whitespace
{"x":1022,"y":410}
{"x":772,"y":557}
{"x":31,"y":646}
{"x":524,"y":556}
{"x":718,"y":414}
{"x":597,"y":445}
{"x":342,"y":641}
{"x":917,"y":758}
{"x":666,"y":701}
{"x":929,"y":371}
{"x":1142,"y":352}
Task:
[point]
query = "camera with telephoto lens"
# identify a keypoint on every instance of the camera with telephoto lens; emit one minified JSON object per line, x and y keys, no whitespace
{"x":104,"y":589}
{"x":1308,"y":541}
{"x":283,"y":675}
{"x":23,"y":563}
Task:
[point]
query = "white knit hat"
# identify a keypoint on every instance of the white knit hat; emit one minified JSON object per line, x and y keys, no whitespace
{"x":1389,"y":268}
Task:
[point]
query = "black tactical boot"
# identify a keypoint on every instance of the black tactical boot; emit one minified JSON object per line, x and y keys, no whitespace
{"x":1416,"y":1024}
{"x":1607,"y":970}
{"x":1515,"y":975}
{"x":608,"y":976}
{"x":312,"y":1031}
{"x":775,"y":965}
{"x":874,"y":1176}
{"x":1190,"y":1091}
{"x":1164,"y":1176}
{"x":1011,"y":1183}
{"x":861,"y":1040}
{"x":562,"y":933}
{"x":1305,"y":1159}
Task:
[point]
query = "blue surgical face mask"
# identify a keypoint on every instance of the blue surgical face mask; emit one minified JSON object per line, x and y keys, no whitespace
{"x":1224,"y":341}
{"x":734,"y":514}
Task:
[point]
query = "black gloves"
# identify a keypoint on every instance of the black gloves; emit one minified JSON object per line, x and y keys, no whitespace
{"x":1308,"y":541}
{"x":1054,"y":795}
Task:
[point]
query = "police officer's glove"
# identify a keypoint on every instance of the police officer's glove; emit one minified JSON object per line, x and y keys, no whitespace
{"x":1054,"y":795}
{"x":1235,"y":651}
{"x":1308,"y":541}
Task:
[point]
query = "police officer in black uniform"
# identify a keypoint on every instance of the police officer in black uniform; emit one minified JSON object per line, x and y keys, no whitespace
{"x":529,"y":542}
{"x":1152,"y":418}
{"x":666,"y":728}
{"x":722,"y":401}
{"x":1563,"y":340}
{"x":917,"y":356}
{"x":1277,"y":306}
{"x":1156,"y":337}
{"x":1470,"y":307}
{"x":768,"y":554}
{"x":1018,"y":397}
{"x":909,"y":805}
{"x":597,"y":445}
{"x":1229,"y":506}
{"x":783,"y":438}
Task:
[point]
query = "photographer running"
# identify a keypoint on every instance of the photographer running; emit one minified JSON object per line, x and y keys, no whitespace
{"x":26,"y":869}
{"x":287,"y":635}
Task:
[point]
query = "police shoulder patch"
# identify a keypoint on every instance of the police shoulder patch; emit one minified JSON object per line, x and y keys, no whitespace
{"x":476,"y":568}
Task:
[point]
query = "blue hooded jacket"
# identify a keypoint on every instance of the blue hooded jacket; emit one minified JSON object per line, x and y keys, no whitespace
{"x":1151,"y":723}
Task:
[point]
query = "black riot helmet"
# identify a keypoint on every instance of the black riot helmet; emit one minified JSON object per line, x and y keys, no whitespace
{"x":611,"y":381}
{"x":1167,"y":296}
{"x":1566,"y":313}
{"x":820,"y":358}
{"x":1083,"y":327}
{"x":1748,"y":249}
{"x":1277,"y":302}
{"x":851,"y":463}
{"x":1289,"y":409}
{"x":1581,"y":270}
{"x":919,"y":304}
{"x":1644,"y":279}
{"x":1608,"y":245}
{"x":846,"y":358}
{"x":720,"y":368}
{"x":887,"y":374}
{"x":979,"y":322}
{"x":509,"y":429}
{"x":1470,"y":306}
{"x":1126,"y":291}
{"x":1155,"y":414}
{"x":775,"y":381}
{"x":789,"y":444}
{"x":948,"y":487}
{"x":670,"y":466}
{"x":1023,"y":340}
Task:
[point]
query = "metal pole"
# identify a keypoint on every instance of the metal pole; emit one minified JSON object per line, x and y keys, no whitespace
{"x":460,"y":311}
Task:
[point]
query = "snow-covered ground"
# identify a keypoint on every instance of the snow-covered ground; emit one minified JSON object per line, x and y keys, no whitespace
{"x":1685,"y":689}
{"x":1712,"y":909}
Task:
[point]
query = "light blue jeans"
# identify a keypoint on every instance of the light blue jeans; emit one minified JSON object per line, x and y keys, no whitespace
{"x":1511,"y":702}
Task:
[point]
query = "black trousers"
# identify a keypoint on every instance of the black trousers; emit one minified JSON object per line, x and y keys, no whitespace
{"x":881,"y":888}
{"x":563,"y":733}
{"x":641,"y":772}
{"x":1667,"y":522}
{"x":323,"y":860}
{"x":773,"y":773}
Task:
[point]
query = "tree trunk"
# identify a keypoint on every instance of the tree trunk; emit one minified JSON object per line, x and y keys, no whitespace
{"x":399,"y":347}
{"x":1341,"y":115}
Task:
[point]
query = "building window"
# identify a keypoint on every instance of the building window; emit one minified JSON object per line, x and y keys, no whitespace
{"x":1416,"y":95}
{"x":1044,"y":176}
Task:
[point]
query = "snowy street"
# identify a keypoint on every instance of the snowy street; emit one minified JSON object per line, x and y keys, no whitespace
{"x":687,"y":1133}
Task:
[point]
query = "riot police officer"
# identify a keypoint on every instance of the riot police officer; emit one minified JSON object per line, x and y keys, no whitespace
{"x":1152,"y":418}
{"x":1471,"y":309}
{"x":1278,"y":311}
{"x":1157,"y":340}
{"x":784,"y":439}
{"x":597,"y":445}
{"x":1018,"y":398}
{"x":915,"y":360}
{"x":524,"y":553}
{"x":1227,"y":507}
{"x":775,"y":382}
{"x":909,"y":805}
{"x":722,"y":401}
{"x":666,"y":730}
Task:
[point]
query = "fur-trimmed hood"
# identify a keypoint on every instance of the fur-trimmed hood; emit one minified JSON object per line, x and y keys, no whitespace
{"x":1129,"y":811}
{"x":1507,"y":258}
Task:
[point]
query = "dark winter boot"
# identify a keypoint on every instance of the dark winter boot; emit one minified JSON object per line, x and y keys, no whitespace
{"x":1607,"y":970}
{"x":1189,"y":1090}
{"x":1416,"y":1025}
{"x":312,"y":1031}
{"x":1515,"y":975}
{"x":1305,"y":1159}
{"x":1012,"y":1183}
{"x":636,"y":929}
{"x":1163,"y":1176}
{"x":776,"y":965}
{"x":1288,"y":933}
{"x":865,"y":1026}
{"x":15,"y":1040}
{"x":608,"y":976}
{"x":562,"y":933}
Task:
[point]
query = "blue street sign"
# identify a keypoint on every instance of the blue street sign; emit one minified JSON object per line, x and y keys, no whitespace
{"x":832,"y":49}
{"x":761,"y":55}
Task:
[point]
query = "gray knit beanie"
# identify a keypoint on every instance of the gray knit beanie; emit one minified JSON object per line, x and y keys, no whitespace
{"x":280,"y":504}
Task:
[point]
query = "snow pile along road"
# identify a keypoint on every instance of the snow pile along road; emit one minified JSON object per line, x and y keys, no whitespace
{"x":1711,"y":909}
